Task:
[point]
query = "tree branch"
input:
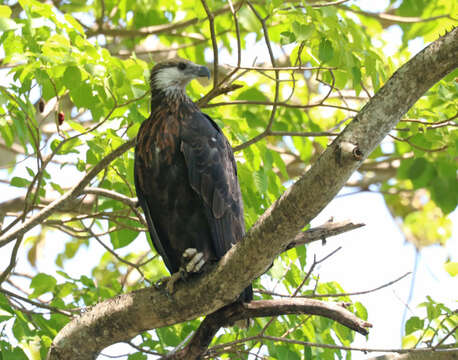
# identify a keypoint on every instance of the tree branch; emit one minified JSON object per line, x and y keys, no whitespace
{"x":387,"y":19}
{"x":124,"y":316}
{"x":425,"y":355}
{"x":156,"y":29}
{"x":322,"y":232}
{"x":339,"y":294}
{"x":228,"y":315}
{"x":64,"y":200}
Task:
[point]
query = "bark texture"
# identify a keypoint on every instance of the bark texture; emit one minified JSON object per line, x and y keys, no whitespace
{"x":125,"y":316}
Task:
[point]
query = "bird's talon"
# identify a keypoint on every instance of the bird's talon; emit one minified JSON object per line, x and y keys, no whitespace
{"x":196,"y":260}
{"x":179,"y":275}
{"x":189,"y":253}
{"x":200,"y":264}
{"x":159,"y":284}
{"x":162,"y":286}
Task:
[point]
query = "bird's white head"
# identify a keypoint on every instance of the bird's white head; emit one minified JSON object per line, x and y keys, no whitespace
{"x":172,"y":76}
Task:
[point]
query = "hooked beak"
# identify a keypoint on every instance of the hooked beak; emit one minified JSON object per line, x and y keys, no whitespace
{"x":202,"y":71}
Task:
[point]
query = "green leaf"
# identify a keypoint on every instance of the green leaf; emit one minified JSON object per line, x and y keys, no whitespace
{"x":287,"y":37}
{"x":30,"y":171}
{"x":409,"y":341}
{"x":19,"y":182}
{"x":252,"y":94}
{"x":5,"y":11}
{"x":413,"y":324}
{"x":71,"y":20}
{"x":65,"y":289}
{"x":345,"y":334}
{"x":87,"y":281}
{"x":432,"y":311}
{"x":356,"y":72}
{"x":57,"y":187}
{"x":69,"y":146}
{"x":7,"y":24}
{"x":417,"y":168}
{"x":277,"y":270}
{"x":361,"y":310}
{"x":285,"y":353}
{"x":444,"y":193}
{"x":82,"y":96}
{"x":122,"y":237}
{"x":137,"y":356}
{"x":168,"y":336}
{"x":16,"y":354}
{"x":4,"y":304}
{"x":20,"y":326}
{"x":451,"y":268}
{"x":421,"y":172}
{"x":42,"y":283}
{"x":64,"y":274}
{"x":303,"y":32}
{"x":7,"y":132}
{"x":72,"y":77}
{"x":325,"y":50}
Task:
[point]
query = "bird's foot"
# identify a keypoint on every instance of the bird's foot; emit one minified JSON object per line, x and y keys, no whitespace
{"x":179,"y":275}
{"x":162,"y":286}
{"x":159,"y":284}
{"x":193,"y":261}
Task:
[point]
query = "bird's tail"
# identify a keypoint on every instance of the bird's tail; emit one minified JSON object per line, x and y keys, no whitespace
{"x":245,"y":296}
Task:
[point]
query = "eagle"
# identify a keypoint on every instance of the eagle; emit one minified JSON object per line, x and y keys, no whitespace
{"x":186,"y":177}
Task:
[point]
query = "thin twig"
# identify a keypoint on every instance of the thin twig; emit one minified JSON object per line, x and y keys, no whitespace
{"x":112,"y":195}
{"x":326,"y":346}
{"x":450,"y":333}
{"x":12,"y":263}
{"x":314,"y":296}
{"x":68,"y":196}
{"x":155,"y":29}
{"x":211,"y":22}
{"x":274,"y":65}
{"x":333,"y":3}
{"x":442,"y":148}
{"x":395,"y":19}
{"x":112,"y":252}
{"x":283,"y":104}
{"x":283,"y":68}
{"x":66,"y":312}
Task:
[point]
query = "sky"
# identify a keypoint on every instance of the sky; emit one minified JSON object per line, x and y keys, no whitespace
{"x":377,"y":254}
{"x":370,"y":256}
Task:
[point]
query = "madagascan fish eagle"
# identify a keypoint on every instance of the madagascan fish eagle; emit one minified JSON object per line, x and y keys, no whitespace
{"x":186,"y":176}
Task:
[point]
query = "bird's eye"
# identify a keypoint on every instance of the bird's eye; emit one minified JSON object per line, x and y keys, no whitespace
{"x":181,"y":65}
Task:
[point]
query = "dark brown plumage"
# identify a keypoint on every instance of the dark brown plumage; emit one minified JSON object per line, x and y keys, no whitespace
{"x":185,"y":173}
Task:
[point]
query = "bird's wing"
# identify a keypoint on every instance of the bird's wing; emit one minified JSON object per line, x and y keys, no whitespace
{"x":143,"y":202}
{"x":213,"y":175}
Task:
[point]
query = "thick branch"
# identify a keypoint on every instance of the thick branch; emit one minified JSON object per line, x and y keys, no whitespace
{"x":124,"y":316}
{"x":229,"y":314}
